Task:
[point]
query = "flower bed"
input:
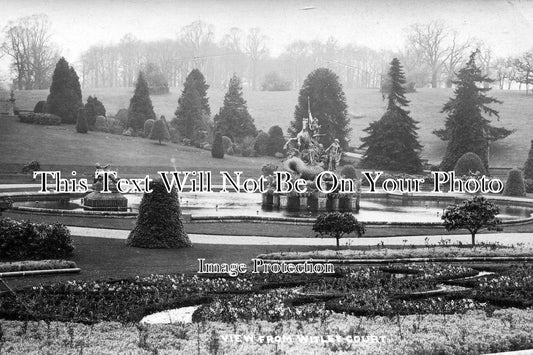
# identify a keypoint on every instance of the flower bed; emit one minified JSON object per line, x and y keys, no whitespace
{"x":384,"y":253}
{"x":36,"y":265}
{"x":363,"y":290}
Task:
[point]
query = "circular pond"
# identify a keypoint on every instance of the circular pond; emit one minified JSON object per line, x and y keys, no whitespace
{"x":373,"y":209}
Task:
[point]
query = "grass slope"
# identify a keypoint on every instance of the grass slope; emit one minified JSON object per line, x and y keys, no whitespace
{"x":364,"y":106}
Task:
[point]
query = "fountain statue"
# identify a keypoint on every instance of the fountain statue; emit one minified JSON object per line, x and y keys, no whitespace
{"x":306,"y":159}
{"x":102,"y":201}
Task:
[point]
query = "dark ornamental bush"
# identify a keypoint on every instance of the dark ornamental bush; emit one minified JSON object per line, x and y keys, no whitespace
{"x":65,"y":96}
{"x":40,"y":107}
{"x":468,"y":164}
{"x":159,"y":222}
{"x":528,"y":165}
{"x":26,"y":240}
{"x":44,"y":119}
{"x":515,"y":186}
{"x":217,"y":151}
{"x":81,"y":123}
{"x":148,"y":125}
{"x":159,"y":131}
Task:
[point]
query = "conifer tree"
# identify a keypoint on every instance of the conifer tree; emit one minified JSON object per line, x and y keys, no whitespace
{"x":323,"y":91}
{"x":466,"y":128}
{"x":65,"y":98}
{"x":233,"y":119}
{"x":141,"y":108}
{"x":392,"y":142}
{"x":528,"y":165}
{"x":193,"y":110}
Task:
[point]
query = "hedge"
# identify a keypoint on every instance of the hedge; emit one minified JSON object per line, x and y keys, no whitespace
{"x":33,"y":241}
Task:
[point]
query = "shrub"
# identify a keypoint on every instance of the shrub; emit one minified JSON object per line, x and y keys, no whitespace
{"x":337,"y":225}
{"x":261,"y":143}
{"x":148,"y":127}
{"x":94,"y":108}
{"x":45,"y":119}
{"x":515,"y":186}
{"x":81,"y":122}
{"x":26,"y":240}
{"x":468,"y":164}
{"x":40,"y":107}
{"x":101,"y":124}
{"x":159,"y":222}
{"x":228,"y":145}
{"x":529,"y":185}
{"x":217,"y":151}
{"x":31,"y":167}
{"x":349,"y":172}
{"x":276,"y":141}
{"x":122,"y":117}
{"x":274,"y":82}
{"x":159,"y":131}
{"x":528,"y":165}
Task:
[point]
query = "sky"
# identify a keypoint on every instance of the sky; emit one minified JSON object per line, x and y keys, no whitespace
{"x":506,"y":26}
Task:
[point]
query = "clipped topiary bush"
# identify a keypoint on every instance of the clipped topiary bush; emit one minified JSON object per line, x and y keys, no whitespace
{"x":468,"y":164}
{"x":101,"y":124}
{"x":217,"y":151}
{"x":81,"y":122}
{"x":228,"y":145}
{"x":261,"y":143}
{"x":349,"y":172}
{"x":528,"y":165}
{"x":122,"y":117}
{"x":159,"y":222}
{"x":159,"y":131}
{"x":276,"y":141}
{"x":515,"y":186}
{"x":40,"y":107}
{"x":148,"y":124}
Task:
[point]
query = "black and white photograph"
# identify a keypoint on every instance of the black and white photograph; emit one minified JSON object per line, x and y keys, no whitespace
{"x":288,"y":177}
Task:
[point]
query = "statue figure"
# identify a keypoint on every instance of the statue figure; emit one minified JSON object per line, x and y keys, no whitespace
{"x":334,"y":155}
{"x":307,"y":146}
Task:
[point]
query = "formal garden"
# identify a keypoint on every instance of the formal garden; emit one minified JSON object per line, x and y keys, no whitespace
{"x":134,"y":285}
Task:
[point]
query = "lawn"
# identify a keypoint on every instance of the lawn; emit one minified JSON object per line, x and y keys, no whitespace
{"x":364,"y":106}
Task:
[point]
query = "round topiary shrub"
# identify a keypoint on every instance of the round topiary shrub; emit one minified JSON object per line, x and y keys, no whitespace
{"x":148,"y":124}
{"x":228,"y":144}
{"x":101,"y":124}
{"x":514,"y":186}
{"x":159,"y":222}
{"x":217,"y":151}
{"x":468,"y":164}
{"x":40,"y":107}
{"x":349,"y":172}
{"x":261,"y":143}
{"x":122,"y":117}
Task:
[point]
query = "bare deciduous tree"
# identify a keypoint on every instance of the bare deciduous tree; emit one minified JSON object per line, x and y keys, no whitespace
{"x":28,"y":42}
{"x":255,"y":48}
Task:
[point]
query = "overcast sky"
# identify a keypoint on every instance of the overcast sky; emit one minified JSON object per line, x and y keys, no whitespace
{"x":505,"y":25}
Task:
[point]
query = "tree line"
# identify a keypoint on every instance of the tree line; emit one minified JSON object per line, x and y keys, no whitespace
{"x":432,"y":54}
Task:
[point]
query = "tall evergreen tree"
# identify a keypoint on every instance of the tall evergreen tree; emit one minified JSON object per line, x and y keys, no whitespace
{"x":328,"y":105}
{"x":466,"y":128}
{"x":64,"y":99}
{"x":528,"y":165}
{"x":193,"y":110}
{"x":233,"y":119}
{"x":141,"y":108}
{"x":392,"y":142}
